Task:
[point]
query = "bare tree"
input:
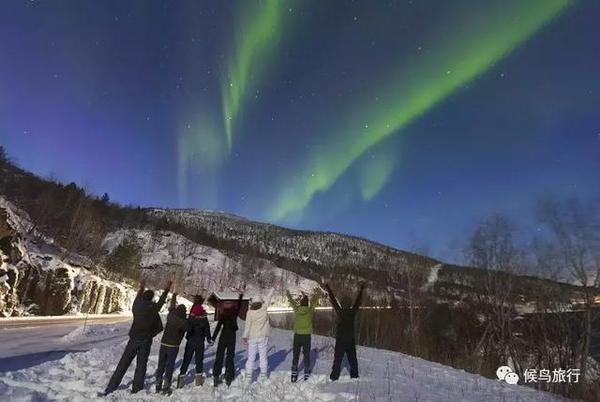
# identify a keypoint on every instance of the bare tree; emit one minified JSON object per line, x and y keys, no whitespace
{"x":413,"y":277}
{"x":574,"y":236}
{"x":492,"y":248}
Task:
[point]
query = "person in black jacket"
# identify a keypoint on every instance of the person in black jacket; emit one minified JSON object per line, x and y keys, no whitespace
{"x":146,"y":325}
{"x":199,"y":332}
{"x":176,"y":327}
{"x":345,"y":343}
{"x":228,"y":324}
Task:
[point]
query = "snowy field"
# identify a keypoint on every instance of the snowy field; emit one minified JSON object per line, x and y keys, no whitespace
{"x":87,"y":358}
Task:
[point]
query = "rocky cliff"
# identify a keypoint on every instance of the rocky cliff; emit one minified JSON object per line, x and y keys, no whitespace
{"x":38,"y":277}
{"x":203,"y":269}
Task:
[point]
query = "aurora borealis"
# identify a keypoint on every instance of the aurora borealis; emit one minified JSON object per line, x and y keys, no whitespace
{"x":452,"y":62}
{"x":256,"y":35}
{"x":395,"y":120}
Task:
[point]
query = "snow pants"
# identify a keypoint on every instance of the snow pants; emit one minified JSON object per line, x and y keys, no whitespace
{"x":301,"y":342}
{"x":134,"y":348}
{"x":258,"y":345}
{"x":166,"y":364}
{"x":226,"y":345}
{"x":193,"y":348}
{"x":344,"y":347}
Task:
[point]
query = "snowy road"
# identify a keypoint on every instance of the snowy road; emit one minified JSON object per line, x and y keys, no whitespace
{"x":77,"y":320}
{"x":83,"y":362}
{"x":31,"y":342}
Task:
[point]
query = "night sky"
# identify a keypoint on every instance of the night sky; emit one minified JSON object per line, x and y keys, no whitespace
{"x":403,"y":122}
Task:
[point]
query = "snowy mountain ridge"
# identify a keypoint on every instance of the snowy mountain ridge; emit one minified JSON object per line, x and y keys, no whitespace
{"x":227,"y":250}
{"x":203,"y":269}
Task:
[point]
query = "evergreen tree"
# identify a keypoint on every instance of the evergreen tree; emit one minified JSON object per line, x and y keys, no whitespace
{"x":126,"y":257}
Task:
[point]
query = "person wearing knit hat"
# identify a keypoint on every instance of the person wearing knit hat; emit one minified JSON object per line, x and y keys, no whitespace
{"x":198,"y":333}
{"x":197,"y":310}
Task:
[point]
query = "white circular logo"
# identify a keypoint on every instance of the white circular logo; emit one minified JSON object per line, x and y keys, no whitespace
{"x":502,"y":372}
{"x":505,"y":373}
{"x":512,"y":378}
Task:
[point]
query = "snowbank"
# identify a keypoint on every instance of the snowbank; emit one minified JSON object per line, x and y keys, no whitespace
{"x":385,"y":376}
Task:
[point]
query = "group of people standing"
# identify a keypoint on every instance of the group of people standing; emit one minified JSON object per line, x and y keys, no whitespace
{"x":196,"y":329}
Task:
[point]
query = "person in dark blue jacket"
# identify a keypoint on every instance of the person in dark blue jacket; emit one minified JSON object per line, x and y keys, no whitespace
{"x":146,"y":325}
{"x":198,"y":333}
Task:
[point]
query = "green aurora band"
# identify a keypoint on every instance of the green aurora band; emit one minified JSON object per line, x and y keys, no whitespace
{"x":260,"y":31}
{"x":374,"y":173}
{"x":200,"y":147}
{"x":468,"y":51}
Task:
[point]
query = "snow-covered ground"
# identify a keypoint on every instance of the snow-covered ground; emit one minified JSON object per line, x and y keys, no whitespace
{"x":385,"y":375}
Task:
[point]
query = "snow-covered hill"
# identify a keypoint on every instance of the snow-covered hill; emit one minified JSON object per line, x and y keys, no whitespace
{"x":384,"y":376}
{"x":210,"y":250}
{"x":323,"y":249}
{"x":204,"y":269}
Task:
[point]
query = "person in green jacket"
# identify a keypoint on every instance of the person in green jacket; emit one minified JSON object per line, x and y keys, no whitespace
{"x":303,"y":316}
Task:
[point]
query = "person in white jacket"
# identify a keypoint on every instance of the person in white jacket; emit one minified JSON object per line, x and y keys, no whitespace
{"x":256,"y":333}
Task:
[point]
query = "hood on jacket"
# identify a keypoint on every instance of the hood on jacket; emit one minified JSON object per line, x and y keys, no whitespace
{"x":180,"y":311}
{"x":346,"y":301}
{"x":148,"y":295}
{"x":303,"y":310}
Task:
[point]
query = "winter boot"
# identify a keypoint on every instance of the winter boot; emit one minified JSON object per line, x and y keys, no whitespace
{"x":294,"y":375}
{"x":217,"y":380}
{"x":167,"y":388}
{"x":159,"y":385}
{"x":306,"y":376}
{"x":180,"y":381}
{"x":199,"y":379}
